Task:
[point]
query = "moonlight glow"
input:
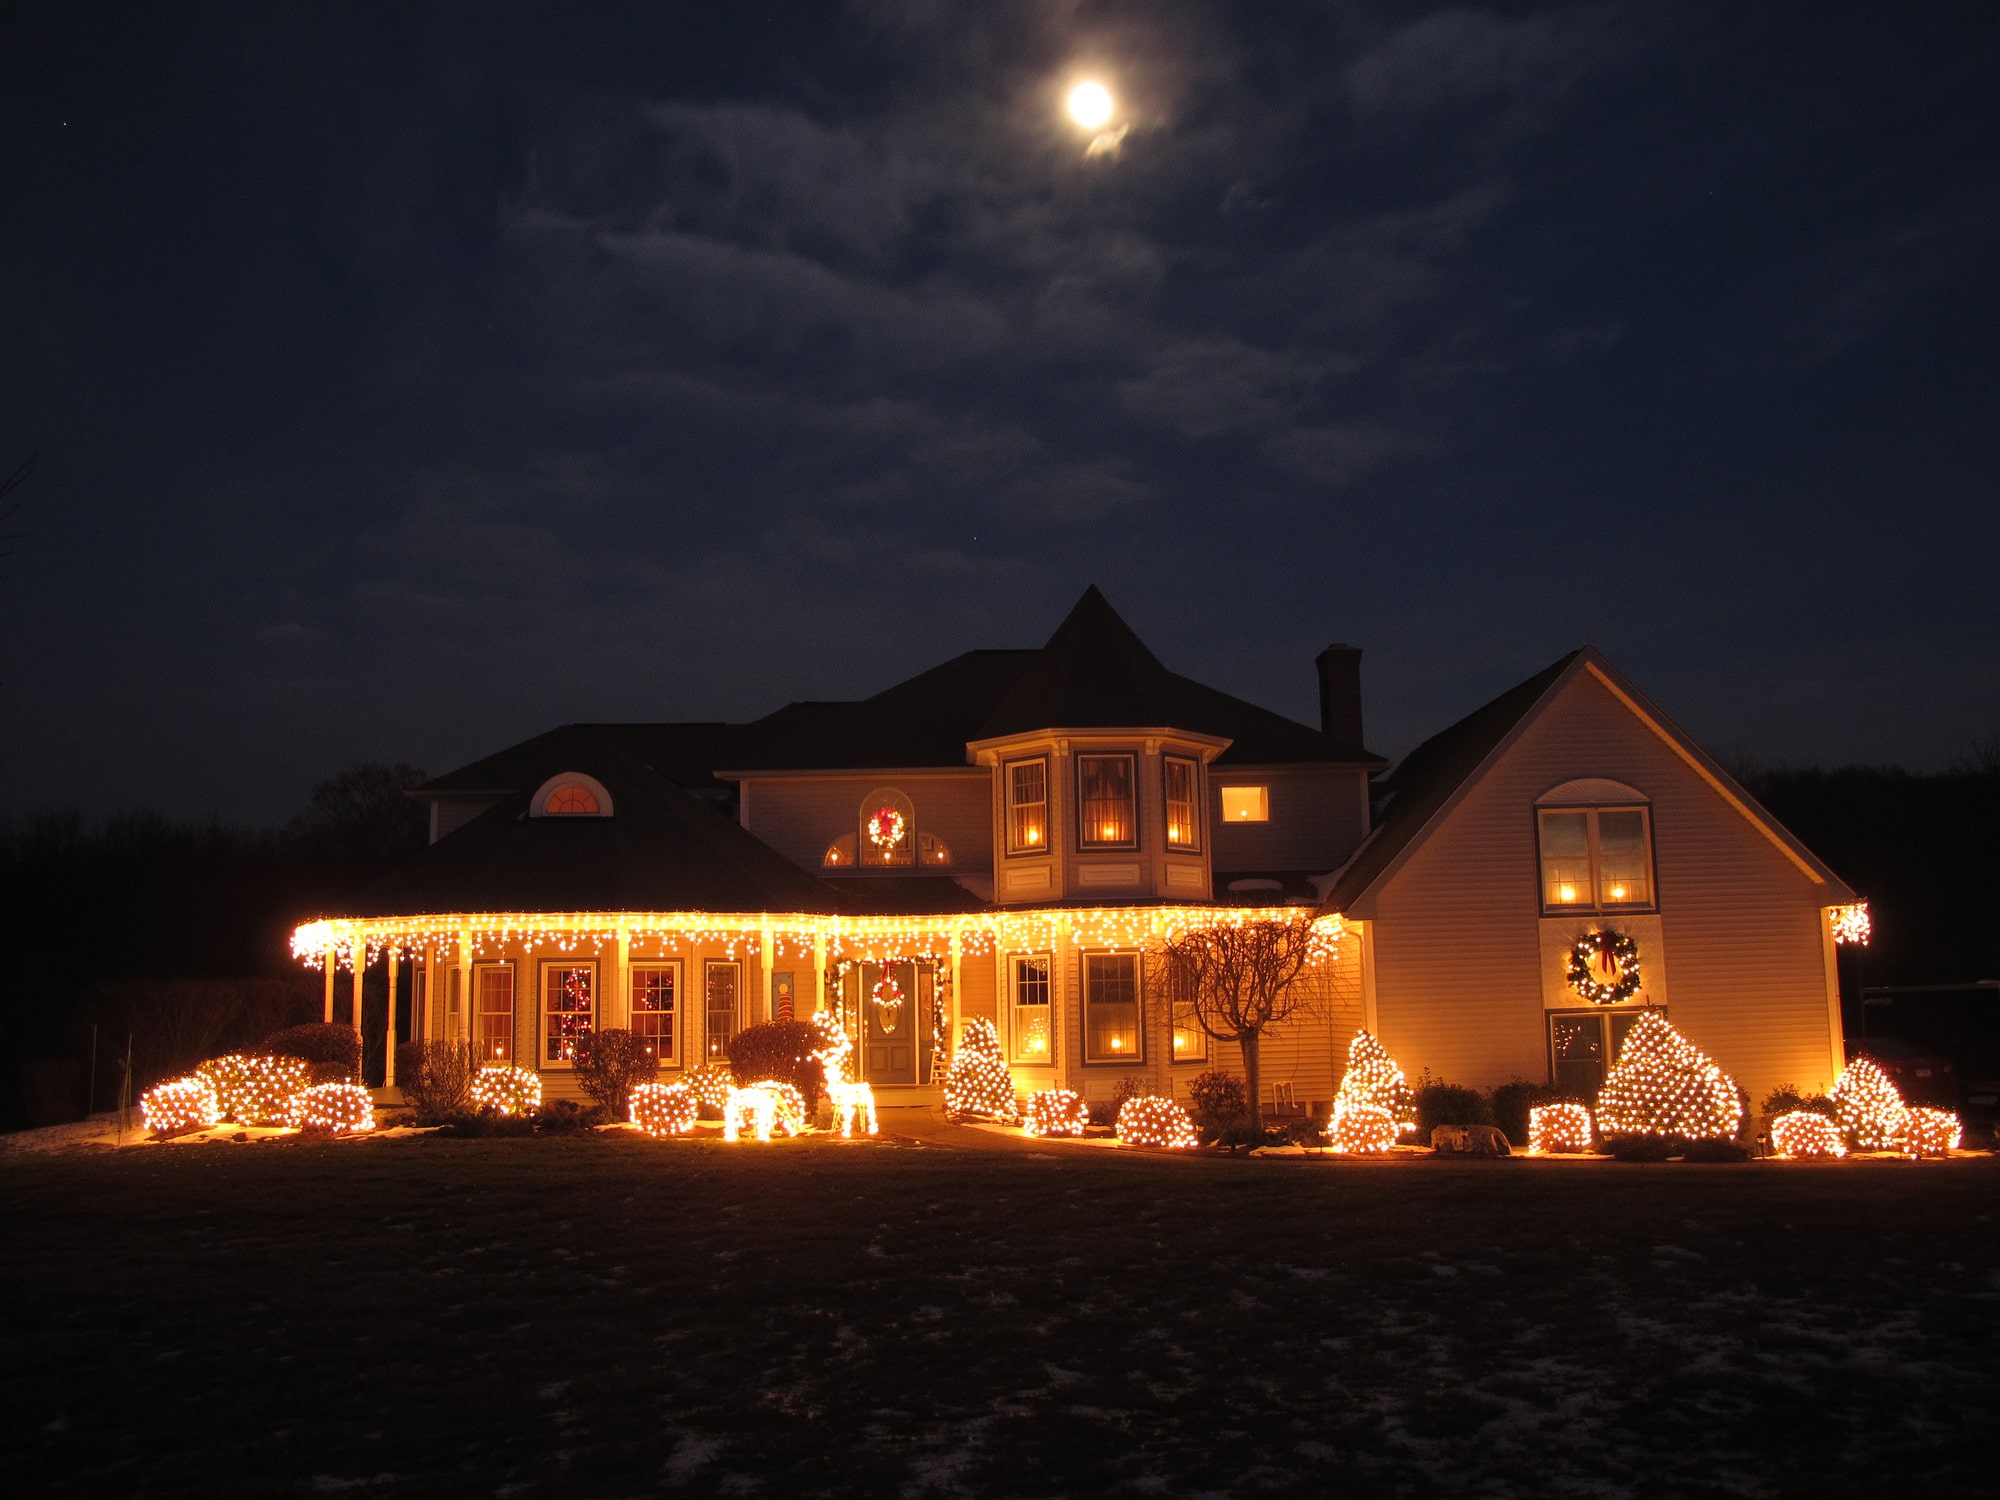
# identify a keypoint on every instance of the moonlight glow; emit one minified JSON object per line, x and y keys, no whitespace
{"x":1090,"y":104}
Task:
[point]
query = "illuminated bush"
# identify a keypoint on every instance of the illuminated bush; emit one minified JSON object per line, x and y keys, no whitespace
{"x":1155,"y":1122}
{"x":978,"y":1082}
{"x":1558,"y":1128}
{"x":507,"y":1091}
{"x":333,"y":1109}
{"x":1869,"y":1106}
{"x":663,"y":1108}
{"x":256,"y":1090}
{"x":710,"y":1084}
{"x":1374,"y":1103}
{"x":1930,"y":1132}
{"x":1806,"y":1133}
{"x":1059,"y":1112}
{"x":1360,"y":1128}
{"x":184,"y":1104}
{"x":1663,"y":1085}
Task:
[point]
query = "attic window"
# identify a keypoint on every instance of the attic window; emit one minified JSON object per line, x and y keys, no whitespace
{"x":1246,"y":804}
{"x":932,"y":850}
{"x":840,"y":853}
{"x":570,"y":795}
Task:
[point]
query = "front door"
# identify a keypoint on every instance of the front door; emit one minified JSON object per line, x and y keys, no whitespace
{"x":892,"y":1023}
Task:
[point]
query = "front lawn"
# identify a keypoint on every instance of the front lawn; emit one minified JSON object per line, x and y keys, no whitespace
{"x":615,"y":1316}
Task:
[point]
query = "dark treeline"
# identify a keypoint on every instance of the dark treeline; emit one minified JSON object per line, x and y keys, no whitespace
{"x":178,"y":933}
{"x":97,"y":920}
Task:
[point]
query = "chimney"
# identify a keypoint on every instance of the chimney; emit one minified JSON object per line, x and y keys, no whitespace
{"x":1340,"y":694}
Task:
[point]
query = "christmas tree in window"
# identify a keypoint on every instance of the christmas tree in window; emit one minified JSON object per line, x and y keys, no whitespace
{"x":1664,"y":1085}
{"x":979,"y":1083}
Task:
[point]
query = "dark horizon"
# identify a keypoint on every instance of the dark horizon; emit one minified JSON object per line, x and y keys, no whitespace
{"x":403,"y":383}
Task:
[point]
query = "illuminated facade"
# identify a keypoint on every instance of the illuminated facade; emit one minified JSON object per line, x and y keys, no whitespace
{"x":1003,"y":838}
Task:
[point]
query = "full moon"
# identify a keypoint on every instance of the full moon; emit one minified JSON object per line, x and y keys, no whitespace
{"x":1090,"y":105}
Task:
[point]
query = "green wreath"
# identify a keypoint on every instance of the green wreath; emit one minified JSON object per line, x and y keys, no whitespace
{"x":1624,"y":955}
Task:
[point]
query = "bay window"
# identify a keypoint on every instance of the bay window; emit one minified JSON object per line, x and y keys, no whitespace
{"x":1027,"y":806}
{"x":1183,"y":804}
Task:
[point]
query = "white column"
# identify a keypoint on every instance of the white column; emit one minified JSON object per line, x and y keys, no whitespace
{"x":464,"y":986}
{"x":819,"y":973}
{"x":389,"y":1029}
{"x":360,"y":974}
{"x":957,"y":959}
{"x":331,"y":962}
{"x":618,"y":1012}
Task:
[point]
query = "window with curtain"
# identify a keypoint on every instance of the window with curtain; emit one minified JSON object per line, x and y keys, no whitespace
{"x":1027,"y":806}
{"x":1596,"y":858}
{"x":1111,"y":1008}
{"x":1183,"y":827}
{"x":1106,"y":818}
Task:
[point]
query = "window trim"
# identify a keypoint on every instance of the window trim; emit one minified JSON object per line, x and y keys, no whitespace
{"x":1086,"y":845}
{"x":1550,"y":1015}
{"x":1174,"y":1028}
{"x":1195,"y":807}
{"x":1016,"y":1051}
{"x":1007,"y":806}
{"x":1137,"y":1056}
{"x":547,"y":967}
{"x":671,"y":1056}
{"x":1223,"y":789}
{"x":710,"y":1052}
{"x":476,"y":1014}
{"x":1594,"y":907}
{"x":538,"y":805}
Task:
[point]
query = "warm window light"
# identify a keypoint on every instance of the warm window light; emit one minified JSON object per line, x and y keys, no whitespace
{"x":1246,"y":804}
{"x":1618,"y":893}
{"x":1034,"y":836}
{"x":1568,"y":893}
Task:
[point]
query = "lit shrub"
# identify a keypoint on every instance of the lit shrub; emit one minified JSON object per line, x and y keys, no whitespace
{"x":507,"y":1091}
{"x":1558,"y":1128}
{"x":180,"y":1106}
{"x":1664,"y":1085}
{"x":977,"y":1082}
{"x":333,"y":1109}
{"x":1930,"y":1132}
{"x":710,"y":1084}
{"x":1361,"y":1128}
{"x":256,"y":1090}
{"x":663,"y":1108}
{"x":324,"y":1042}
{"x":610,"y":1064}
{"x":1056,"y":1112}
{"x":1806,"y":1133}
{"x":1147,"y":1121}
{"x":1869,"y":1106}
{"x":783,"y":1051}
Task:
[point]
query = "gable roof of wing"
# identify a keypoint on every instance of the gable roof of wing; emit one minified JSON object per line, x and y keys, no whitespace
{"x":1433,"y":778}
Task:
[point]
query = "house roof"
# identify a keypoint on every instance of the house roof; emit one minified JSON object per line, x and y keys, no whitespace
{"x":1431,"y":777}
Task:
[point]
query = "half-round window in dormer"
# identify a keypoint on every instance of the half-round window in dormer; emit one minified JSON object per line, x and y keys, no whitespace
{"x":570,"y":795}
{"x":888,"y":834}
{"x":840,"y":853}
{"x":932,"y":851}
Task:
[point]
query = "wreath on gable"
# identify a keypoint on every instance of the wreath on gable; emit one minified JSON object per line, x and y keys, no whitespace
{"x":1604,"y":967}
{"x":885,"y":829}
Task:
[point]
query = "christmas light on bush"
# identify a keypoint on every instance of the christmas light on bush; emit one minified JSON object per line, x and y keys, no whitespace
{"x":1664,"y":1085}
{"x":1147,"y":1121}
{"x":184,"y":1104}
{"x":1801,"y":1133}
{"x":1359,"y":1128}
{"x":1869,"y":1106}
{"x":710,"y":1084}
{"x":1056,"y":1112}
{"x":1930,"y":1132}
{"x":978,"y":1082}
{"x":333,"y":1109}
{"x":1851,"y":924}
{"x":1372,"y":1091}
{"x":256,"y":1090}
{"x":1558,"y":1128}
{"x":506,"y":1091}
{"x":661,"y":1109}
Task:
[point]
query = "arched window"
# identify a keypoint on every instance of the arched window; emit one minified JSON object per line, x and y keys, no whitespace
{"x":888,"y":835}
{"x":570,"y":795}
{"x":840,"y":853}
{"x":932,"y":850}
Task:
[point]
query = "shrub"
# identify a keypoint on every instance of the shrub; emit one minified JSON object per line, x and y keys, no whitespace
{"x":1305,"y":1132}
{"x":710,"y":1084}
{"x":1508,"y":1106}
{"x":1786,"y":1098}
{"x":1125,"y":1090}
{"x":319,"y":1042}
{"x":567,"y":1117}
{"x":780,"y":1052}
{"x":610,"y":1064}
{"x":1056,"y":1112}
{"x":185,"y":1104}
{"x":1155,"y":1122}
{"x":333,"y":1109}
{"x":506,"y":1091}
{"x":1216,"y":1100}
{"x":436,"y":1077}
{"x":663,"y":1108}
{"x":256,"y":1090}
{"x":474,"y":1125}
{"x":1441,"y":1103}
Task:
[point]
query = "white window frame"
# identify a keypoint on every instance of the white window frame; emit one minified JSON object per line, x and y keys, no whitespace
{"x":709,"y":967}
{"x":1260,"y":809}
{"x":1023,"y":1013}
{"x":1009,"y":804}
{"x":670,"y":1056}
{"x":1117,"y":1058}
{"x":1592,"y":904}
{"x":477,"y":1014}
{"x":1192,"y":843}
{"x":549,"y":966}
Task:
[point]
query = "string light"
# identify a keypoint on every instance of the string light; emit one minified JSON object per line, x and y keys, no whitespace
{"x":507,"y":1091}
{"x":886,"y":828}
{"x":256,"y":1090}
{"x":184,"y":1104}
{"x":333,"y":1109}
{"x":1558,"y":1128}
{"x":1664,"y":1085}
{"x":1869,"y":1106}
{"x":1374,"y":1103}
{"x":1151,"y":1121}
{"x":853,"y":1105}
{"x":1930,"y":1132}
{"x":1851,"y":924}
{"x":663,"y":1108}
{"x":1801,"y":1133}
{"x":766,"y":1108}
{"x":1057,"y":1112}
{"x":710,"y":1084}
{"x":978,"y":1082}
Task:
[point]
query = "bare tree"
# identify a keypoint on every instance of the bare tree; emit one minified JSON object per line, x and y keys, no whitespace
{"x":1238,"y":980}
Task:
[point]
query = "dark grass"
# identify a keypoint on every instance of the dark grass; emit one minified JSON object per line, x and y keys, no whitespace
{"x":611,"y":1316}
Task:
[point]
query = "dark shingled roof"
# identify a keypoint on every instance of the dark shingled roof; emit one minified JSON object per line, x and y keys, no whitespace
{"x":1430,"y":774}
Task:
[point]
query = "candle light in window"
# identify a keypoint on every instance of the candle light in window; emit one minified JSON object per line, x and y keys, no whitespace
{"x":1117,"y":1042}
{"x":1618,"y":893}
{"x":1567,"y":893}
{"x":1034,"y":836}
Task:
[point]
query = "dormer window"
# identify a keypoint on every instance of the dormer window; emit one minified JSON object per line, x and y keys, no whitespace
{"x":1106,"y":817}
{"x":1246,"y":804}
{"x":840,"y":853}
{"x":1027,"y":806}
{"x":570,"y":795}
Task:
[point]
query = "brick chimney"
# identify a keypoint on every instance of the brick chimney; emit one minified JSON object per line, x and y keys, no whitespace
{"x":1340,"y":694}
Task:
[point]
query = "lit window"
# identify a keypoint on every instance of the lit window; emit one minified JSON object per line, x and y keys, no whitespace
{"x":570,"y":794}
{"x":888,"y":834}
{"x":567,"y":990}
{"x":493,"y":989}
{"x":1027,"y":806}
{"x":721,"y":997}
{"x":1190,"y":1041}
{"x":1034,"y":1036}
{"x":571,"y":801}
{"x":840,"y":853}
{"x":1104,"y":802}
{"x":1111,"y":1008}
{"x":1246,"y":804}
{"x":932,"y":850}
{"x":654,"y":987}
{"x":1584,"y":1044}
{"x":1182,"y":776}
{"x":1595,"y":858}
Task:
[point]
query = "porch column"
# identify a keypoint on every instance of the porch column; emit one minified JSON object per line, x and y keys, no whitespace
{"x":957,"y":958}
{"x":819,"y":972}
{"x":618,"y":1010}
{"x":332,"y":960}
{"x":767,"y":960}
{"x":464,"y":1028}
{"x":360,"y":975}
{"x":389,"y":1029}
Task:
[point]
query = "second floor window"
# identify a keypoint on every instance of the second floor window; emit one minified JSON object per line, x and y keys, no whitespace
{"x":1183,"y":832}
{"x":1594,"y":858}
{"x":1027,"y":806}
{"x":1105,"y":814}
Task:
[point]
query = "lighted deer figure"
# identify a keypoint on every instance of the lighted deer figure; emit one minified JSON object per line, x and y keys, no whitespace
{"x":853,"y":1103}
{"x":765,"y":1108}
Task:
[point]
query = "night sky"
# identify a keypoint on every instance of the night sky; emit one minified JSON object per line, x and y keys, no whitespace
{"x":403,"y":381}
